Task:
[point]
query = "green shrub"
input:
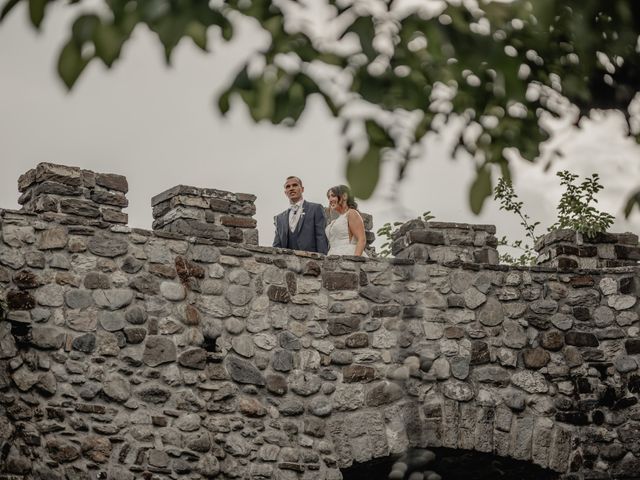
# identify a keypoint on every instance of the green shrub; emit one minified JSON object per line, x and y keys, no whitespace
{"x":575,"y":211}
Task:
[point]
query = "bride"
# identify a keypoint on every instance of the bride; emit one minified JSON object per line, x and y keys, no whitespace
{"x":346,"y":232}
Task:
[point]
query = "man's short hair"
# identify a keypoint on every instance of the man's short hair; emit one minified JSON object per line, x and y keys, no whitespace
{"x":293,"y":176}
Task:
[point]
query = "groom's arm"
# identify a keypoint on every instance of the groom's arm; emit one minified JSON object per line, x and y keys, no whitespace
{"x":276,"y":240}
{"x":321,"y":239}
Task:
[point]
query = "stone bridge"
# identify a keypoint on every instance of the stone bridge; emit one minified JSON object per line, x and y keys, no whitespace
{"x":191,"y":352}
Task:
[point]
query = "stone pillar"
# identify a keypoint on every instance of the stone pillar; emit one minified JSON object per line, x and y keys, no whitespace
{"x":206,"y":213}
{"x":568,"y":249}
{"x":444,"y":242}
{"x":72,"y":195}
{"x":368,"y":228}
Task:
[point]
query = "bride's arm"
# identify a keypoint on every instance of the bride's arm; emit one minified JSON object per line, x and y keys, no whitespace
{"x":356,"y":229}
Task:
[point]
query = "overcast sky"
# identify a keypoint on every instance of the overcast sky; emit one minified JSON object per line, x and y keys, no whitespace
{"x":159,"y":127}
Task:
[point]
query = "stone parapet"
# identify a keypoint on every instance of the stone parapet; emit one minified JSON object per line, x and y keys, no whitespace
{"x":206,"y":213}
{"x":444,"y":242}
{"x":73,"y":195}
{"x":568,"y":249}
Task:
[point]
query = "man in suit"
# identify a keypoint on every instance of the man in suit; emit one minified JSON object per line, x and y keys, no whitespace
{"x":301,"y":226}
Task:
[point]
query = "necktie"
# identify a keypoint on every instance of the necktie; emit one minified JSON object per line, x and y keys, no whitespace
{"x":294,"y":217}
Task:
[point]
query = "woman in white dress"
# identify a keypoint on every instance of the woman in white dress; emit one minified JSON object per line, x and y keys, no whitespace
{"x":346,"y":232}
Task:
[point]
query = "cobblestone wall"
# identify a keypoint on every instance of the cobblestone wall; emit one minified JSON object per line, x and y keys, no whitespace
{"x":135,"y":354}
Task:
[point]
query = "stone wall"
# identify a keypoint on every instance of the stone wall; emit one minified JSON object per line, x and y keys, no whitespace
{"x":567,"y":249}
{"x":73,"y":195}
{"x":206,"y":213}
{"x":444,"y":242}
{"x":148,"y":354}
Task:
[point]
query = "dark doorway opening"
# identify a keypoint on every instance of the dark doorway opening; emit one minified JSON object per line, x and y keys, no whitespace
{"x":454,"y":464}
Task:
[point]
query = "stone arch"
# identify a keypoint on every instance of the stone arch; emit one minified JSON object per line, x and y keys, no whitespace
{"x":475,"y":429}
{"x":455,"y":464}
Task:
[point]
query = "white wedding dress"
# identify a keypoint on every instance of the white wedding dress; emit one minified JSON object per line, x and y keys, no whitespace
{"x":338,"y":235}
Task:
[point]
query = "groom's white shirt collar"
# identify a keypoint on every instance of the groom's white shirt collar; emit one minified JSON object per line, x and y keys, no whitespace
{"x":299,"y":203}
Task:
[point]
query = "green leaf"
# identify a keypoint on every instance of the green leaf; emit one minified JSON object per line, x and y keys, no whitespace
{"x":273,"y":25}
{"x":282,"y":107}
{"x":297,"y":100}
{"x":198,"y":33}
{"x":242,"y":80}
{"x":331,"y":59}
{"x":153,"y":10}
{"x":333,"y":108}
{"x":265,"y":101}
{"x":632,"y":201}
{"x":363,"y":27}
{"x":84,"y":28}
{"x":108,"y":41}
{"x":126,"y":22}
{"x":223,"y":101}
{"x":377,"y":135}
{"x":227,"y":30}
{"x":505,"y":171}
{"x":423,"y":126}
{"x":36,"y":11}
{"x":170,"y":30}
{"x":309,"y":84}
{"x":70,"y":63}
{"x":249,"y":98}
{"x":480,"y":189}
{"x":208,"y":16}
{"x":7,"y":8}
{"x":363,"y":174}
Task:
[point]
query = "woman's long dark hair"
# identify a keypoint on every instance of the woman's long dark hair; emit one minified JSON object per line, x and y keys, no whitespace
{"x":339,"y":191}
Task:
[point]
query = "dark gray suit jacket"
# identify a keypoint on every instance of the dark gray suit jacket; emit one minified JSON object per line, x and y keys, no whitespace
{"x":310,"y":229}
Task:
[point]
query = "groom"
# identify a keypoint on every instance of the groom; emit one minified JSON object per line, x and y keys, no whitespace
{"x":301,"y":226}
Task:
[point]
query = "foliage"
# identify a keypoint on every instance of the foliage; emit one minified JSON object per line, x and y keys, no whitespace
{"x":575,"y":210}
{"x":527,"y":257}
{"x":498,"y":68}
{"x":509,"y":202}
{"x":632,"y":201}
{"x":388,"y":231}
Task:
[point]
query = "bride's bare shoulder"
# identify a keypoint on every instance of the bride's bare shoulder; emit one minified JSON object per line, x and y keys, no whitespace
{"x":354,"y":214}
